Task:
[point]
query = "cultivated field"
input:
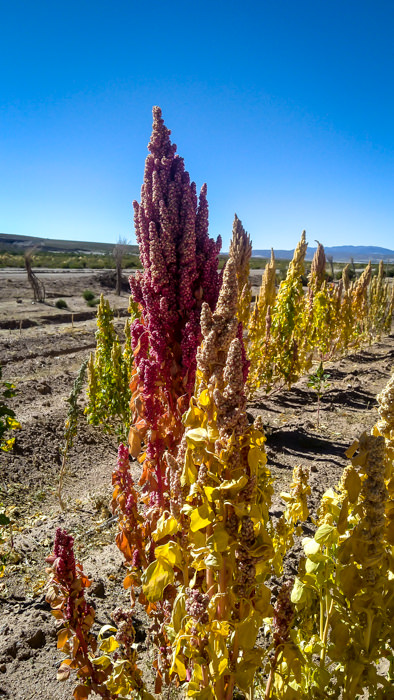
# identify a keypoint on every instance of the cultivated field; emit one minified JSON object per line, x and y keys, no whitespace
{"x":41,"y":350}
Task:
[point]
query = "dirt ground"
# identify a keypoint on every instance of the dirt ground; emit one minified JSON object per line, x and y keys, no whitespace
{"x":41,"y":350}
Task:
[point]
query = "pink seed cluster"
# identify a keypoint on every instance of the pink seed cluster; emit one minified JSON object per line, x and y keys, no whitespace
{"x":63,"y":553}
{"x":67,"y":573}
{"x":122,"y":477}
{"x":283,"y":614}
{"x":196,"y":605}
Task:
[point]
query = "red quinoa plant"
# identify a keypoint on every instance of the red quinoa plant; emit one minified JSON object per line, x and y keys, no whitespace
{"x":180,"y":273}
{"x":180,"y":264}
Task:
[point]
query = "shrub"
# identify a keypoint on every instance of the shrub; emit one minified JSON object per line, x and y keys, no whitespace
{"x":92,"y":302}
{"x":7,"y":416}
{"x":88,"y":295}
{"x":61,"y":304}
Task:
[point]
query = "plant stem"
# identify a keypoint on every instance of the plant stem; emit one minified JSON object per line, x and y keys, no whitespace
{"x":61,"y":477}
{"x":325,"y":631}
{"x":209,"y":572}
{"x":271,"y":675}
{"x":367,"y":632}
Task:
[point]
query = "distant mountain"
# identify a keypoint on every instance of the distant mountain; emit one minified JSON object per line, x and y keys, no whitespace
{"x":340,"y":253}
{"x":17,"y":242}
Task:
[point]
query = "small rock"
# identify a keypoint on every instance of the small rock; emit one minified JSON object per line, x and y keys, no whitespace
{"x":98,"y":589}
{"x":25,"y":654}
{"x":36,"y":640}
{"x":313,"y":468}
{"x":42,"y":604}
{"x":11,"y":650}
{"x":44,"y":388}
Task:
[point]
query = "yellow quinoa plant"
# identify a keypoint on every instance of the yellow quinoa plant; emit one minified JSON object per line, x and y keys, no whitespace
{"x":240,"y":252}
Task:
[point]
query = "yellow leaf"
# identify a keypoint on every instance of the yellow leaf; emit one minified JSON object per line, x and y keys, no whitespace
{"x":219,"y":540}
{"x":262,"y":600}
{"x":178,"y":612}
{"x":156,"y":577}
{"x":103,"y":661}
{"x":350,"y":580}
{"x":104,"y":630}
{"x":231,"y":488}
{"x":62,"y":637}
{"x":109,"y":645}
{"x":256,"y":457}
{"x":248,"y":630}
{"x":200,"y":517}
{"x":204,"y":399}
{"x":169,"y":552}
{"x":352,"y":484}
{"x":166,"y":525}
{"x":343,"y":516}
{"x":214,"y":560}
{"x":218,"y":653}
{"x":57,"y":614}
{"x":189,"y":473}
{"x":179,"y":667}
{"x":196,"y":436}
{"x":339,"y":638}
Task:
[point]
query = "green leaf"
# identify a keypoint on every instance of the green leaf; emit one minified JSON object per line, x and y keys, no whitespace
{"x":299,"y":592}
{"x":312,"y":566}
{"x":325,"y":534}
{"x":310,"y":546}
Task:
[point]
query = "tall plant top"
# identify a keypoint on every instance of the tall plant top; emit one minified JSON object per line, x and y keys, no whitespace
{"x":180,"y":264}
{"x":297,"y":266}
{"x":318,"y":268}
{"x":240,"y":252}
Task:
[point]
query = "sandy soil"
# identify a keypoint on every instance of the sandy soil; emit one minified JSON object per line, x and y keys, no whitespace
{"x":41,"y":350}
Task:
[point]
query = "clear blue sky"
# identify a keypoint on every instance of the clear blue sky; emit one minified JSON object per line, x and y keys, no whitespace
{"x":284,"y":108}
